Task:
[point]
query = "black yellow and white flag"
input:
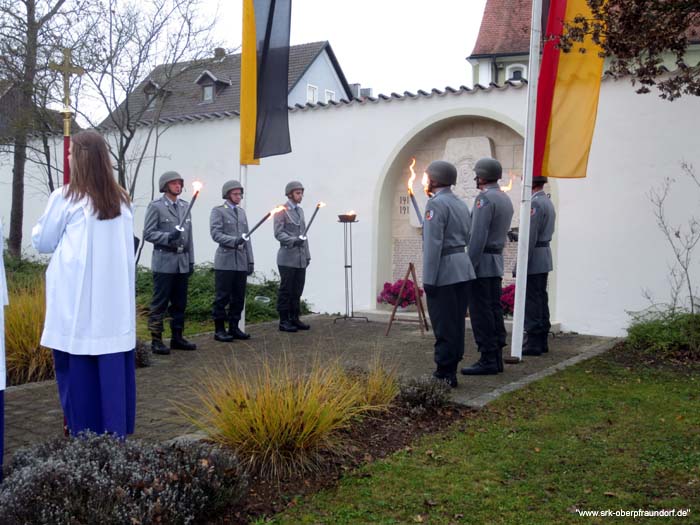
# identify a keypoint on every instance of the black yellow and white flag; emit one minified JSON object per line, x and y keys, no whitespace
{"x":264,"y":79}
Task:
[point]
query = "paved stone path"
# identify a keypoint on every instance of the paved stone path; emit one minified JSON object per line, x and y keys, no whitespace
{"x":33,"y":412}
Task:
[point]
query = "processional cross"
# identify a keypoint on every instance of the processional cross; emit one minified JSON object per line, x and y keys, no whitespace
{"x":66,"y":68}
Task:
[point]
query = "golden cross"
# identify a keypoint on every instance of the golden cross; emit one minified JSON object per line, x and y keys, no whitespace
{"x":66,"y":68}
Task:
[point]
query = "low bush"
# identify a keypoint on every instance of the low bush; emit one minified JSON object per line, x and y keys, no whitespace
{"x":142,"y":354}
{"x":26,"y":359}
{"x":277,"y":418}
{"x":666,"y":334}
{"x":200,"y":295}
{"x":98,"y":479}
{"x":23,"y":273}
{"x":424,"y":392}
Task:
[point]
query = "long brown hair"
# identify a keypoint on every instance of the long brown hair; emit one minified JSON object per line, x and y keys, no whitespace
{"x":92,"y":176}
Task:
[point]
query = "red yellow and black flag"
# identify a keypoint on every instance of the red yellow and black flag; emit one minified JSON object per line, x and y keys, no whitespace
{"x":567,"y":97}
{"x":264,"y":79}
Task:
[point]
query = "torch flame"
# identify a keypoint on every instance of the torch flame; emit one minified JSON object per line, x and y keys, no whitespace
{"x":196,"y":186}
{"x":276,"y":209}
{"x":508,"y":186}
{"x":424,"y":181}
{"x":320,"y":204}
{"x":413,"y":175}
{"x":351,"y":212}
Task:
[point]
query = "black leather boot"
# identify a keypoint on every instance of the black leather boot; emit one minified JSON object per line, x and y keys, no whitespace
{"x":157,"y":346}
{"x":235,"y":332}
{"x":298,"y":323}
{"x":220,"y":333}
{"x":177,"y":342}
{"x":286,"y":324}
{"x":532,"y":345}
{"x":486,"y":366}
{"x":448,"y":377}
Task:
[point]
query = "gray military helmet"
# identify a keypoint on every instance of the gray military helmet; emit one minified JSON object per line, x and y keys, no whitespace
{"x":539,"y":179}
{"x":442,"y":172}
{"x":228,"y":186}
{"x":291,"y":186}
{"x":488,"y":169}
{"x":168,"y":176}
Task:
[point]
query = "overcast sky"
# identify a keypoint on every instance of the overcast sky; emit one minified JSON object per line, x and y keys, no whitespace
{"x":388,"y":45}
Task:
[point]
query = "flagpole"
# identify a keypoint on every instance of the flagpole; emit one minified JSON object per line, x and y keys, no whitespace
{"x":516,"y":347}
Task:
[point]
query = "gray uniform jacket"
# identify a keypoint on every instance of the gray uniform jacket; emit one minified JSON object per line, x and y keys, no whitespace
{"x":289,"y":225}
{"x":445,"y":238}
{"x":162,"y":215}
{"x":491,"y":216}
{"x":542,"y":218}
{"x":226,"y":225}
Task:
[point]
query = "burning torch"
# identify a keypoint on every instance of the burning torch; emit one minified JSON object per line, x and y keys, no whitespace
{"x":196,"y":186}
{"x":318,"y":207}
{"x":273,"y":211}
{"x":410,"y":191}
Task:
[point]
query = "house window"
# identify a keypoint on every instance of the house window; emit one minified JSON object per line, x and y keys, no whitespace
{"x":330,"y":96}
{"x":515,"y":72}
{"x":311,"y":94}
{"x":208,"y":94}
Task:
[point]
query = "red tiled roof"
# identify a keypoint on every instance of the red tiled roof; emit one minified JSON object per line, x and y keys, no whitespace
{"x":505,"y":28}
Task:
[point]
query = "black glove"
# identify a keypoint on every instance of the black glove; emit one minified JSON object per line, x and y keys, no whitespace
{"x":298,"y":242}
{"x":238,"y":242}
{"x":191,"y":269}
{"x":251,"y":268}
{"x":174,"y":235}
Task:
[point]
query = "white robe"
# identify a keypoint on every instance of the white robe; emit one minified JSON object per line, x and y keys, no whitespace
{"x":3,"y":301}
{"x":90,"y":281}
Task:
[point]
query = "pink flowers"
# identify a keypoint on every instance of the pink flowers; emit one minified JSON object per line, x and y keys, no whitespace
{"x":508,"y":299}
{"x":390,"y":293}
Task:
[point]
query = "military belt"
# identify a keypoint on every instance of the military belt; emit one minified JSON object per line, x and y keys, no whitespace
{"x":493,"y":251}
{"x":171,"y":249}
{"x":452,"y":250}
{"x":543,"y":244}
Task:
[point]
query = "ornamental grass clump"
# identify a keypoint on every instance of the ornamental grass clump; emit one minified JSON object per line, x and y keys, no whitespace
{"x":99,"y":479}
{"x":381,"y":383}
{"x":27,"y":360}
{"x":278,"y":418}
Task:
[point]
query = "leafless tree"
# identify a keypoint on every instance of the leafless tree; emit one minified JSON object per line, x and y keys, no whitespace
{"x":683,"y":239}
{"x":131,"y":60}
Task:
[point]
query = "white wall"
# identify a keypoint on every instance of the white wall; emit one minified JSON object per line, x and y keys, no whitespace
{"x":321,"y":74}
{"x":607,"y":246}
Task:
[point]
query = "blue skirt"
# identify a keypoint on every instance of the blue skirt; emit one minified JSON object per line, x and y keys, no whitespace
{"x":97,"y":392}
{"x":2,"y":429}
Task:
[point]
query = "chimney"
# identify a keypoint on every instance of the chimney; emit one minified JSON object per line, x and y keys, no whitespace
{"x":219,"y":53}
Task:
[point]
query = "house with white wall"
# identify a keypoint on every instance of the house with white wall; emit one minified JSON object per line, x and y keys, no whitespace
{"x":354,"y":153}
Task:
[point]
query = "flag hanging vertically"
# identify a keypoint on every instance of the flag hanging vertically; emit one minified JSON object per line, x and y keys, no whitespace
{"x":264,"y":79}
{"x":567,"y":97}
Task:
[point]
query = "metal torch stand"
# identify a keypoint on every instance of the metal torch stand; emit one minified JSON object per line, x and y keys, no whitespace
{"x":347,"y":246}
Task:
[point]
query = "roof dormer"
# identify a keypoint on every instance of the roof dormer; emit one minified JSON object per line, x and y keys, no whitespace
{"x":210,"y":85}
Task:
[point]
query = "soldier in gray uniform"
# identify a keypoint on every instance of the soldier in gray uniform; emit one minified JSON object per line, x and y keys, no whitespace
{"x":491,"y":216}
{"x":233,"y":262}
{"x":172,"y":262}
{"x":447,"y":270}
{"x":292,"y":258}
{"x":542,"y":219}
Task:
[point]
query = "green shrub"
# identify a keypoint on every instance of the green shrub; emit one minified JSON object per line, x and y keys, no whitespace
{"x":98,"y":479}
{"x":279,"y":418}
{"x":666,"y":334}
{"x":200,"y":295}
{"x":23,"y":273}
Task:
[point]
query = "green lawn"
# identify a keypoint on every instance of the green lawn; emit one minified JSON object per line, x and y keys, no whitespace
{"x":596,"y":436}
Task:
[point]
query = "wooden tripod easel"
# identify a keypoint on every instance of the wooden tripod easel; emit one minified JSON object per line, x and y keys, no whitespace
{"x":422,"y":321}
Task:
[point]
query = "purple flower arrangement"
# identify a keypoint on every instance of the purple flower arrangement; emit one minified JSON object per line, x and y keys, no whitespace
{"x":390,"y":293}
{"x":508,"y":299}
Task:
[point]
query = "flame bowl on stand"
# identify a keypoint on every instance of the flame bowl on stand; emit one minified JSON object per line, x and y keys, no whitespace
{"x":347,"y":217}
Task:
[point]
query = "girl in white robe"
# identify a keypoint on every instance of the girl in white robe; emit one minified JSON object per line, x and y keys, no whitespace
{"x":3,"y":302}
{"x":90,"y":292}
